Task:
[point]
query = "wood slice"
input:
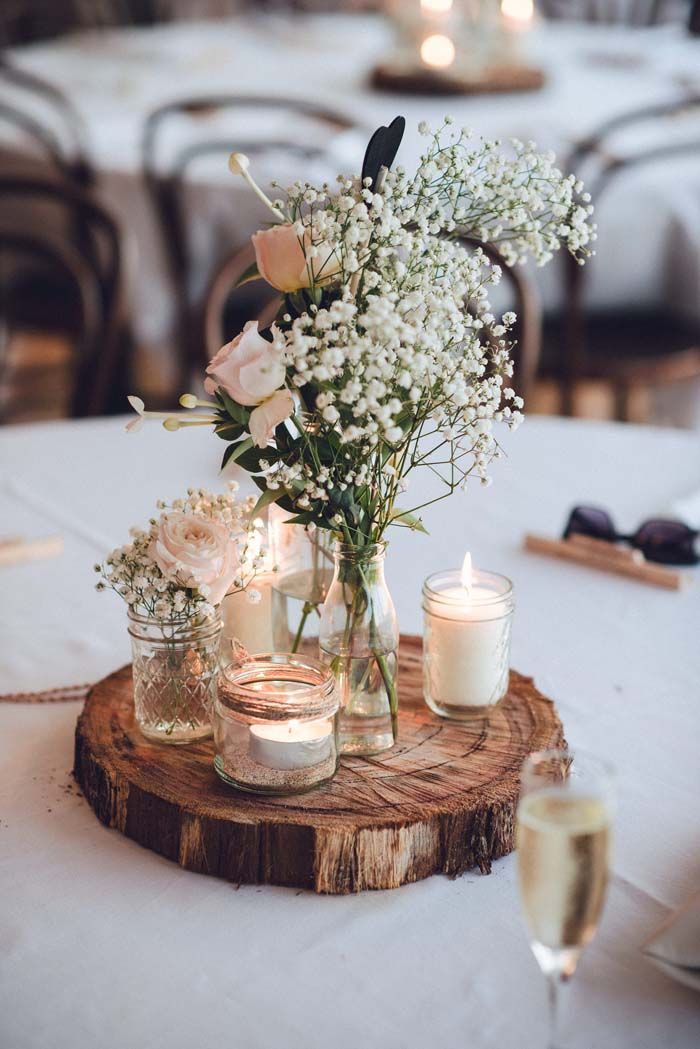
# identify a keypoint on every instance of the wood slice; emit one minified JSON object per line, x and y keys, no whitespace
{"x":419,"y":81}
{"x":441,"y":801}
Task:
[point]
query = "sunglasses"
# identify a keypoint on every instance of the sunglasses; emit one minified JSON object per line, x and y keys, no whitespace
{"x":668,"y":542}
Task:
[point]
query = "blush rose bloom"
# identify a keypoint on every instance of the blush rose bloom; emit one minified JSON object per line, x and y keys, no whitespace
{"x":281,"y":260}
{"x":195,"y":551}
{"x":269,"y":415}
{"x":249,"y":368}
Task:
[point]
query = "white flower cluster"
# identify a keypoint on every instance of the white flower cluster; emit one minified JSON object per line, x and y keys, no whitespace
{"x":409,"y":350}
{"x":517,"y":199}
{"x":133,"y":572}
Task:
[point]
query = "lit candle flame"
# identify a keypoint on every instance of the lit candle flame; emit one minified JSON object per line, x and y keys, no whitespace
{"x":467,"y":572}
{"x":436,"y":7}
{"x":521,"y":11}
{"x":437,"y":51}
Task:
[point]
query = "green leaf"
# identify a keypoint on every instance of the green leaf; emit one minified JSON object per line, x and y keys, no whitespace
{"x":237,"y":412}
{"x":250,"y":459}
{"x":305,"y":518}
{"x":229,"y":431}
{"x":267,"y":497}
{"x":408,"y":520}
{"x":235,"y":451}
{"x":252,"y":273}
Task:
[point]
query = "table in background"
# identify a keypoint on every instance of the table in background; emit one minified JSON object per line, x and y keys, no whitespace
{"x":649,"y":244}
{"x":105,"y":944}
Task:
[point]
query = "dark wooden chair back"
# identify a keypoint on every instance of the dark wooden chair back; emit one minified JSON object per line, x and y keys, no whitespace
{"x":694,"y":18}
{"x":575,"y":364}
{"x":166,"y":182}
{"x":59,"y":134}
{"x":94,"y":275}
{"x":528,"y":332}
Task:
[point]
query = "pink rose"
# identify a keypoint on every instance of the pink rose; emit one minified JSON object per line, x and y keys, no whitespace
{"x":284,"y":259}
{"x":268,"y":415}
{"x":194,"y":551}
{"x":249,"y":368}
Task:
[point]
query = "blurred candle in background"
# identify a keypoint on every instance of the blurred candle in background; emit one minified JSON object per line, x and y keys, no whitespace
{"x":437,"y":51}
{"x":517,"y":19}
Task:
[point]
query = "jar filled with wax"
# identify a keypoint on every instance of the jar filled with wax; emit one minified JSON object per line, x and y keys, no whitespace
{"x":275,"y":724}
{"x":466,"y":641}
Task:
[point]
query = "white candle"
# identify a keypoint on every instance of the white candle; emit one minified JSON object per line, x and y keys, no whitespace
{"x":250,"y":623}
{"x":517,"y":17}
{"x":467,"y":641}
{"x":517,"y":14}
{"x":292,"y":744}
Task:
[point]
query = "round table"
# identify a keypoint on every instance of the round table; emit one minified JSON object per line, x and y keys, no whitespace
{"x":105,"y":943}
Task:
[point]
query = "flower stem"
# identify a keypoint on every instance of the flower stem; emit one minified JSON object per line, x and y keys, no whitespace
{"x":306,"y":611}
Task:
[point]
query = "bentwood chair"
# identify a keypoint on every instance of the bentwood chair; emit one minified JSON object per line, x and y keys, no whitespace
{"x":221,"y":319}
{"x":42,"y":114}
{"x":168,"y":178}
{"x":694,"y":18}
{"x":88,"y":283}
{"x":626,"y":351}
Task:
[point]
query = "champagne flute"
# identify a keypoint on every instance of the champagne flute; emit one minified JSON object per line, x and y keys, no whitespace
{"x":564,"y":832}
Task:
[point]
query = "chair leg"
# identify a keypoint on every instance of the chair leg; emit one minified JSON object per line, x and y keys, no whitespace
{"x":621,"y":393}
{"x":567,"y":395}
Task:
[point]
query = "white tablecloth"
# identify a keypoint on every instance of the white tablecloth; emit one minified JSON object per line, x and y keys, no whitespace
{"x":106,"y":944}
{"x":649,"y":244}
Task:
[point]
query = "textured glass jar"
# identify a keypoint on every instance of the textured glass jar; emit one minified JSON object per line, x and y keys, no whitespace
{"x":275,"y":724}
{"x":359,"y":641}
{"x":175,"y":666}
{"x":466,"y":643}
{"x":303,"y":559}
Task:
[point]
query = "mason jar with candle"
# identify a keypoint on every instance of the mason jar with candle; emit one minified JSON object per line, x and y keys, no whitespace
{"x":275,"y":724}
{"x":466,"y":641}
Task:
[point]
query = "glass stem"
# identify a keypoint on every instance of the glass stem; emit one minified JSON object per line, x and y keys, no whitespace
{"x":553,"y":981}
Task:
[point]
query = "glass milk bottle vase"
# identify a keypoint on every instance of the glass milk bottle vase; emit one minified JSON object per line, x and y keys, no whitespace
{"x":359,"y":640}
{"x":175,"y":665}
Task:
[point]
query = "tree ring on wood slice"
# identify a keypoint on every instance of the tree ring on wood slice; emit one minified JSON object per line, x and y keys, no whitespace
{"x":441,"y":801}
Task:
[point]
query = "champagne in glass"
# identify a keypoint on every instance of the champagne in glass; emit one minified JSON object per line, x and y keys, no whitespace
{"x":564,"y":839}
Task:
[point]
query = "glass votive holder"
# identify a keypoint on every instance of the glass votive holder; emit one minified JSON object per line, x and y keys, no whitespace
{"x":466,"y":643}
{"x":275,"y":724}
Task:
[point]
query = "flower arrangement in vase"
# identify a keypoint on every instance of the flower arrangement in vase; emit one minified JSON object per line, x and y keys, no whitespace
{"x":174,"y":576}
{"x":385,"y":357}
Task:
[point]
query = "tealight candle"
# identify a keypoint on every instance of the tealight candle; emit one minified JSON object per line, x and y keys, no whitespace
{"x":291,"y":745}
{"x":275,"y":724}
{"x":466,"y":645}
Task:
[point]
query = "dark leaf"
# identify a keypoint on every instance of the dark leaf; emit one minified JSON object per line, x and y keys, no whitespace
{"x":382,"y":149}
{"x":252,"y":273}
{"x":229,"y":431}
{"x":235,"y":451}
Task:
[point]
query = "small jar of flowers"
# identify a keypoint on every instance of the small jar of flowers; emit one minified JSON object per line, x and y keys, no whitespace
{"x":173,"y":576}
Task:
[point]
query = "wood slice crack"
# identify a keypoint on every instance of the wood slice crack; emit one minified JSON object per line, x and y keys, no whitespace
{"x":442,"y":801}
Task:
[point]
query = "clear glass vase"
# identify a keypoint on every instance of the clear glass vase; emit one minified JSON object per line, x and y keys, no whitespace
{"x":359,"y":640}
{"x":175,"y":666}
{"x":304,"y":574}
